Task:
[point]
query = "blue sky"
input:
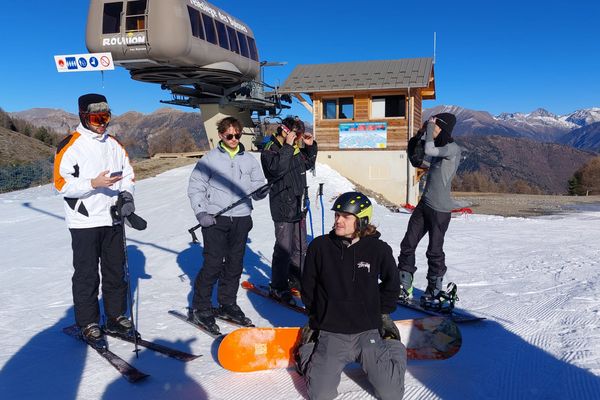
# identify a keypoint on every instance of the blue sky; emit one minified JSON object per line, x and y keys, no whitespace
{"x":495,"y":56}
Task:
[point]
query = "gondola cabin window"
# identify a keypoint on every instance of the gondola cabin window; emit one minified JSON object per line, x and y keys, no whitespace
{"x":243,"y":44}
{"x":388,"y":106}
{"x":222,"y":32}
{"x":136,"y":16}
{"x":252,"y":47}
{"x":196,"y":23}
{"x":111,"y":18}
{"x":233,"y":40}
{"x":209,"y":26}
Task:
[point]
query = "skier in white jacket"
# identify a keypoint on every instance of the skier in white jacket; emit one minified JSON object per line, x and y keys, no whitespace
{"x":93,"y":173}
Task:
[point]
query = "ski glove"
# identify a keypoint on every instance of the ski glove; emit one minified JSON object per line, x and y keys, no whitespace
{"x":388,"y":329}
{"x":261,"y":193}
{"x":205,"y":219}
{"x":307,"y":334}
{"x":125,"y":204}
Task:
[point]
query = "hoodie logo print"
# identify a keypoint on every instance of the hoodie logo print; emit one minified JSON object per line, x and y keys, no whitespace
{"x":364,"y":264}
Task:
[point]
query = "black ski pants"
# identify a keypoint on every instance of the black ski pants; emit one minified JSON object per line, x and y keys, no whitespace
{"x":425,"y":219}
{"x":224,"y":248}
{"x":288,"y":253}
{"x":102,"y":244}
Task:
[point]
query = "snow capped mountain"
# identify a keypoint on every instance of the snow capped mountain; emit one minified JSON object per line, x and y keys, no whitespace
{"x":539,"y":117}
{"x":584,"y":117}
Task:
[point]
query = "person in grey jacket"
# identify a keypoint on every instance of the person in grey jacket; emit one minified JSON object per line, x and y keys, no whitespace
{"x":223,"y":176}
{"x":432,"y":214}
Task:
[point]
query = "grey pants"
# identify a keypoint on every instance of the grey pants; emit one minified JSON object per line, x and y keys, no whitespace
{"x":384,"y":362}
{"x":288,"y":253}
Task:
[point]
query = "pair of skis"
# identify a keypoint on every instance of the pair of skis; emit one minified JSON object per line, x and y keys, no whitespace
{"x":128,"y":371}
{"x":217,"y":336}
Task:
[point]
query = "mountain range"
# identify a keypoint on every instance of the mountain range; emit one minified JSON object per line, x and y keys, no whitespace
{"x":540,"y":148}
{"x":579,"y":129}
{"x":165,"y":130}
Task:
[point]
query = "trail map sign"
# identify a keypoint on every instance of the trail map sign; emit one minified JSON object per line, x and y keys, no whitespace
{"x":363,"y":135}
{"x":84,"y":62}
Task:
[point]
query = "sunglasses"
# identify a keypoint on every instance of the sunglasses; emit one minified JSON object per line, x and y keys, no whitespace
{"x":230,"y":136}
{"x":99,"y":119}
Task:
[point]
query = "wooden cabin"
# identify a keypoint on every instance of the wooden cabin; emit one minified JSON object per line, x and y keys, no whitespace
{"x":363,"y":114}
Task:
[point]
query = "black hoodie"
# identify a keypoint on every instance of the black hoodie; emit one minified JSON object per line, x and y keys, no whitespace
{"x":340,"y":283}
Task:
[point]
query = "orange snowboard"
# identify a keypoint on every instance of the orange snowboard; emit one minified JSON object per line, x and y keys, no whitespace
{"x":257,"y":349}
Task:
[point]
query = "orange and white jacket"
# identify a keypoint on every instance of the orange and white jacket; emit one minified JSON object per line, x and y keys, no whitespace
{"x":81,"y":157}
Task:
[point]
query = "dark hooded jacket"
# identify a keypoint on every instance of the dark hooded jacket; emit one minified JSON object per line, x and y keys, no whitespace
{"x":285,"y":167}
{"x":340,"y":283}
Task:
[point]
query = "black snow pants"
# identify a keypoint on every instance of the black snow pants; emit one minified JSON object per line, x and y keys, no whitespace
{"x":425,"y":219}
{"x":102,"y":244}
{"x":224,"y":248}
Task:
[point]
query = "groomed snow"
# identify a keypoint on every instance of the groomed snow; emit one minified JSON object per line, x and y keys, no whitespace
{"x":535,"y":280}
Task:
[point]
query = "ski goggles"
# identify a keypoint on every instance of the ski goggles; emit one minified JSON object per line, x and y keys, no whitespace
{"x":230,"y":136}
{"x":99,"y":118}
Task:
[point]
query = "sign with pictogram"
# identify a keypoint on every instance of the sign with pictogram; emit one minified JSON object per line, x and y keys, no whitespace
{"x":84,"y":62}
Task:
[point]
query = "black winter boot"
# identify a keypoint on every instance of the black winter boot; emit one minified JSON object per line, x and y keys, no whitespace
{"x":234,"y":313}
{"x":93,"y":335}
{"x":205,"y":318}
{"x":120,"y":325}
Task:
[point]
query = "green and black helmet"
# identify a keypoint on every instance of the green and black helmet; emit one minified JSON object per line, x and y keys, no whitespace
{"x":357,"y":204}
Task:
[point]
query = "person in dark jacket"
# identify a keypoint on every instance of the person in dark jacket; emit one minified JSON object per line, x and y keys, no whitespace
{"x":285,"y":163}
{"x":350,"y":285}
{"x":223,"y":176}
{"x":432,"y":215}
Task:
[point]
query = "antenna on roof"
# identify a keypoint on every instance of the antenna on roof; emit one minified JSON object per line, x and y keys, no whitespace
{"x":434,"y":40}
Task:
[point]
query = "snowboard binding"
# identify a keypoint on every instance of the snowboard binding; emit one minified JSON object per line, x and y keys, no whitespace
{"x":442,"y":301}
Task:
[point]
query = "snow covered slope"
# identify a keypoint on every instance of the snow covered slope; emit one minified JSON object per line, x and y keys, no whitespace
{"x":536,"y":280}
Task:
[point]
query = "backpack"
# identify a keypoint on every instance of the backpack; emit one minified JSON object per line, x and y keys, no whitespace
{"x":416,"y":149}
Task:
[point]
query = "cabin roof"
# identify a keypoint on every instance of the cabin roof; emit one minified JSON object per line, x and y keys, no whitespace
{"x":360,"y":75}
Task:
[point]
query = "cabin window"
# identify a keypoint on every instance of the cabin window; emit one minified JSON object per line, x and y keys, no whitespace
{"x":136,"y":16}
{"x":243,"y":44}
{"x":209,"y":27}
{"x":252,"y":47}
{"x":329,"y":109}
{"x":111,"y":18}
{"x":342,"y":108}
{"x":346,"y":108}
{"x":233,"y":40}
{"x":222,"y":32}
{"x":196,"y":23}
{"x":388,"y":106}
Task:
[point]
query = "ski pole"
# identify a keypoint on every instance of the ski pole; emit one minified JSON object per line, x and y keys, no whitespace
{"x":119,"y":219}
{"x":322,"y":210}
{"x":129,"y":295}
{"x":229,"y":207}
{"x":307,"y":208}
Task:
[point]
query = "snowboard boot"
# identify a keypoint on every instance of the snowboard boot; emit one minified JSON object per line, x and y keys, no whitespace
{"x":294,"y":281}
{"x":295,"y":286}
{"x":406,"y":286}
{"x":436,"y":299}
{"x":121,"y":326}
{"x":282,"y":295}
{"x":92,"y":334}
{"x":204,"y":318}
{"x":234,"y":313}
